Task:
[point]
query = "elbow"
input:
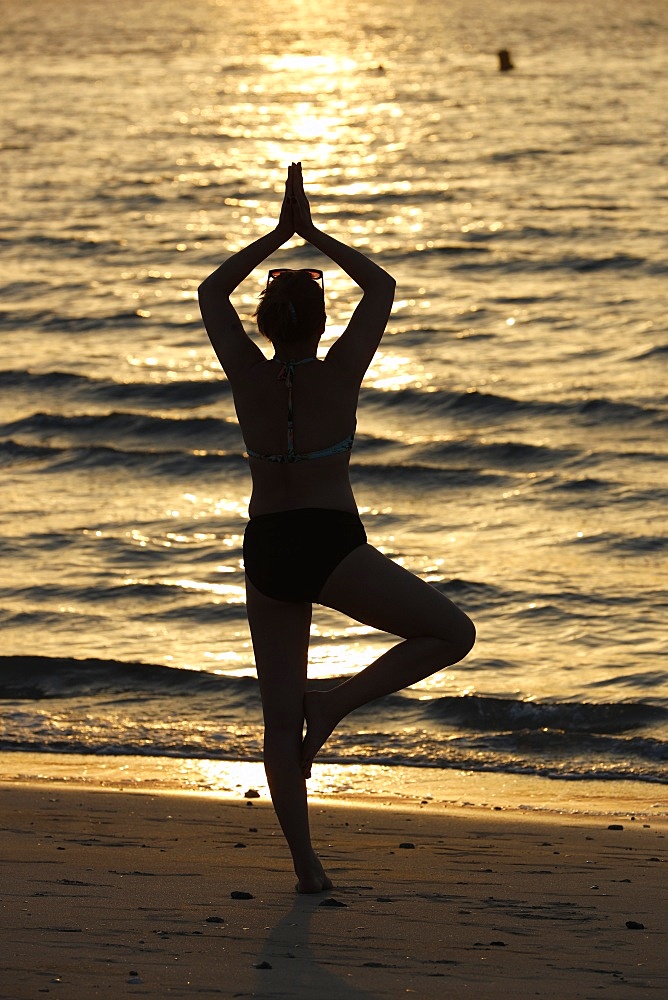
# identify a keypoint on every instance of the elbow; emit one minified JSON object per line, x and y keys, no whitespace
{"x":213,"y":289}
{"x":206,"y":299}
{"x":207,"y":293}
{"x":382,"y":281}
{"x":389,"y":286}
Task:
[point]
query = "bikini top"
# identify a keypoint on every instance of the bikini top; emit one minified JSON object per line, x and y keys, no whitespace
{"x":286,"y":374}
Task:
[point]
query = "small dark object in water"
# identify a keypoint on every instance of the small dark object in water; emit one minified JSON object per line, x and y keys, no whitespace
{"x":332,"y":902}
{"x":241,"y":895}
{"x":215,"y":920}
{"x":263,"y":965}
{"x":505,"y":62}
{"x":634,"y":925}
{"x":252,"y":793}
{"x":615,"y":826}
{"x":407,"y":846}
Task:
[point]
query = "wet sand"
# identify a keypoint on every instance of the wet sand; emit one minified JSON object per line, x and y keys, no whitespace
{"x":116,"y":894}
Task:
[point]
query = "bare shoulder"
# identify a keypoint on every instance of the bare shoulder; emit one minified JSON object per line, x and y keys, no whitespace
{"x":234,"y":349}
{"x":253,"y":377}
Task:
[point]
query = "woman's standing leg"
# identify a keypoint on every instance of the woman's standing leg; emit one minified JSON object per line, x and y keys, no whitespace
{"x":370,"y":588}
{"x":280,"y":632}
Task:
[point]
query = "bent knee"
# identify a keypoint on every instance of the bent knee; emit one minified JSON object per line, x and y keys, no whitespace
{"x":460,"y":638}
{"x":467,"y":637}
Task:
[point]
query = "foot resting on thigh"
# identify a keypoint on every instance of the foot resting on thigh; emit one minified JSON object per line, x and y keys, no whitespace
{"x":313,"y":878}
{"x":319,"y":727}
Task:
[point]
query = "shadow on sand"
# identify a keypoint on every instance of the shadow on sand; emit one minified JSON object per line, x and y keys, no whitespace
{"x":305,"y":969}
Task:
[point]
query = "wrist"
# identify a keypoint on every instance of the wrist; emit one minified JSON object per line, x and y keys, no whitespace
{"x":284,"y":233}
{"x":307,"y":231}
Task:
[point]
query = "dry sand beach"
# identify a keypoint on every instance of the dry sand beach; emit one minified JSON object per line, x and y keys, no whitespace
{"x":118,"y":894}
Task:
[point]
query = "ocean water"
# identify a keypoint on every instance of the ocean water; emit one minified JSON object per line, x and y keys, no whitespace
{"x":512,"y":427}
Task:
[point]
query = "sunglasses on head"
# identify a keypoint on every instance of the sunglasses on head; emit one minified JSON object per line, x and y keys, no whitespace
{"x":312,"y":272}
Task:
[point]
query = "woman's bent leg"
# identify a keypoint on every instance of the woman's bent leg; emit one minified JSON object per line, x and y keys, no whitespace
{"x":280,"y":633}
{"x":370,"y":588}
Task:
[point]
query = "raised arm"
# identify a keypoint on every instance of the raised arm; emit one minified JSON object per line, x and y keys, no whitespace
{"x":234,"y":348}
{"x":355,"y":348}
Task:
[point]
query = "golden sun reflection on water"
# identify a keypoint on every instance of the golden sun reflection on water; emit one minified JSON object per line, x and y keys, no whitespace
{"x":331,"y":65}
{"x":231,"y":593}
{"x":227,"y":776}
{"x":393,"y":372}
{"x":239,"y":777}
{"x":210,"y":506}
{"x":326,"y":660}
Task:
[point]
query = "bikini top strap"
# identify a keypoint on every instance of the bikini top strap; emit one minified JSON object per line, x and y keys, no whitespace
{"x":287,"y":374}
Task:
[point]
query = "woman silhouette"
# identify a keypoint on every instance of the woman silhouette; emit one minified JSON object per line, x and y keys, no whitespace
{"x":304,"y":542}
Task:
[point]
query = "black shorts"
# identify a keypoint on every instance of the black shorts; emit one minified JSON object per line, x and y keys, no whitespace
{"x":289,"y":555}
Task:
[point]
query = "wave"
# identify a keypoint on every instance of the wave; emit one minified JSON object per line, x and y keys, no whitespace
{"x":614,"y":262}
{"x":69,"y":245}
{"x":550,"y":755}
{"x":13,"y":454}
{"x":38,"y":677}
{"x":439,"y":465}
{"x":630,"y":543}
{"x":51,"y":322}
{"x":658,"y":352}
{"x":512,"y":454}
{"x":122,"y":432}
{"x":99,"y":439}
{"x":415,"y":476}
{"x":586,"y":484}
{"x":485,"y":713}
{"x":180,"y":446}
{"x":192,"y":714}
{"x":163,"y":462}
{"x":508,"y":255}
{"x":194,"y":394}
{"x":640,"y":543}
{"x":474,"y":404}
{"x":82,"y":388}
{"x":157,"y":602}
{"x":616,"y":759}
{"x":186,"y":432}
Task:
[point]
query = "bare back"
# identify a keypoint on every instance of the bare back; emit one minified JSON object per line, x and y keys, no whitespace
{"x":324,"y":399}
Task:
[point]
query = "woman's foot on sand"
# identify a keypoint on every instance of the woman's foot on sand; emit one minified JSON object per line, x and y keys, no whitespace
{"x":319,"y":727}
{"x":313,"y":878}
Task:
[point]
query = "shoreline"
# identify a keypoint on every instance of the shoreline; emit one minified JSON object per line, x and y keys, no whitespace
{"x":129,"y":892}
{"x":367,"y":786}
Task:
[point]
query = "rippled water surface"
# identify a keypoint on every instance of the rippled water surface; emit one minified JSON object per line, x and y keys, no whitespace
{"x":512,"y":429}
